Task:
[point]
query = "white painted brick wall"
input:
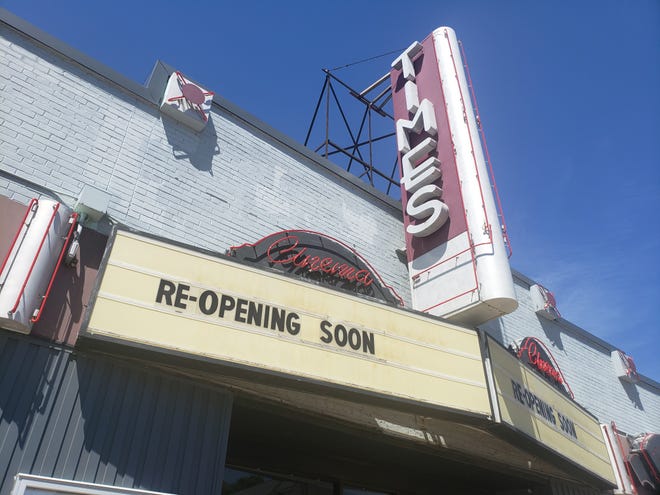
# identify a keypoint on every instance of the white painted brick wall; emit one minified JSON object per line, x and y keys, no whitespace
{"x":61,"y":128}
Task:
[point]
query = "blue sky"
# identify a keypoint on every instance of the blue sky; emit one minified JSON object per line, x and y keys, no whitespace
{"x":568,"y":92}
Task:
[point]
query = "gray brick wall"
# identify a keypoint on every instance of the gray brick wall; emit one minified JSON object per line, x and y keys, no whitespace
{"x":63,"y":127}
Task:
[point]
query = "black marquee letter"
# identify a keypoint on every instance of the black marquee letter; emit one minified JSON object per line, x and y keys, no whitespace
{"x":166,"y":290}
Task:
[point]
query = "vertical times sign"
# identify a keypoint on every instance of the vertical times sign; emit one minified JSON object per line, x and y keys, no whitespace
{"x":456,"y":255}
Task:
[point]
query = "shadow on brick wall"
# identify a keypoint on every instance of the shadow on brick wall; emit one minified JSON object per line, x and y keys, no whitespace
{"x":495,"y":329}
{"x":552,"y":331}
{"x":633,"y":395}
{"x":197,"y":148}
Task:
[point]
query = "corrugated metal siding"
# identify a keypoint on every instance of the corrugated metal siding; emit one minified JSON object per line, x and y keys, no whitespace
{"x":71,"y":416}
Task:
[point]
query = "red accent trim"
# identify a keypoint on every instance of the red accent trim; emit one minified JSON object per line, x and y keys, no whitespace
{"x":182,"y":81}
{"x":390,"y":288}
{"x":34,"y":261}
{"x":453,"y":256}
{"x":643,"y":450}
{"x":557,"y":367}
{"x":629,"y":363}
{"x":535,"y":359}
{"x":33,"y":201}
{"x":467,"y":224}
{"x":474,"y":156}
{"x":481,"y":193}
{"x":550,"y":301}
{"x":74,"y":219}
{"x":316,"y":263}
{"x":616,"y":463}
{"x":505,"y":231}
{"x":448,"y":300}
{"x":626,"y":464}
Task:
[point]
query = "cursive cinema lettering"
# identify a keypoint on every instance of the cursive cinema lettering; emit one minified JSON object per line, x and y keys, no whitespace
{"x":291,"y":255}
{"x":534,"y":357}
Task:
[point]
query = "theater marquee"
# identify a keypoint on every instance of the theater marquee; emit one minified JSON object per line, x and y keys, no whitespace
{"x":171,"y":299}
{"x":530,"y":404}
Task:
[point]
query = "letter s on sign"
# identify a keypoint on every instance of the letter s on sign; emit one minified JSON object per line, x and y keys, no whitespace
{"x":424,"y":204}
{"x":327,"y":335}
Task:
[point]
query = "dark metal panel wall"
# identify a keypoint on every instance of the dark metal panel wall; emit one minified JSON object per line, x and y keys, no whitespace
{"x":558,"y":487}
{"x":94,"y":419}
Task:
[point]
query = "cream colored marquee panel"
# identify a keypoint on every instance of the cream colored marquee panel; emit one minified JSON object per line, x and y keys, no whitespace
{"x":170,"y":298}
{"x":532,"y":405}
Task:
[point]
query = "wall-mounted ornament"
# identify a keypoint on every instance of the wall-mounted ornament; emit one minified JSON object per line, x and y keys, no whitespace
{"x":624,"y":366}
{"x":186,"y":102}
{"x":544,"y":302}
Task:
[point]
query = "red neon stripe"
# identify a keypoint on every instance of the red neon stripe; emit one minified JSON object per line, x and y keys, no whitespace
{"x":616,"y":463}
{"x":74,"y":216}
{"x":453,"y":256}
{"x":422,"y":272}
{"x":34,"y":261}
{"x":556,"y":366}
{"x":643,"y":450}
{"x":626,"y":464}
{"x":483,"y":202}
{"x":33,"y":201}
{"x":448,"y":300}
{"x":467,"y":224}
{"x":505,"y":231}
{"x":416,"y":276}
{"x":201,"y":112}
{"x":180,"y":79}
{"x":474,"y":156}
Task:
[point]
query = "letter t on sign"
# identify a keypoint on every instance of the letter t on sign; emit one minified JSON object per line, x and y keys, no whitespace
{"x":405,"y":63}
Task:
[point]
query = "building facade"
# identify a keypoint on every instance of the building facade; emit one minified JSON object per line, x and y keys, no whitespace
{"x":177,"y":352}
